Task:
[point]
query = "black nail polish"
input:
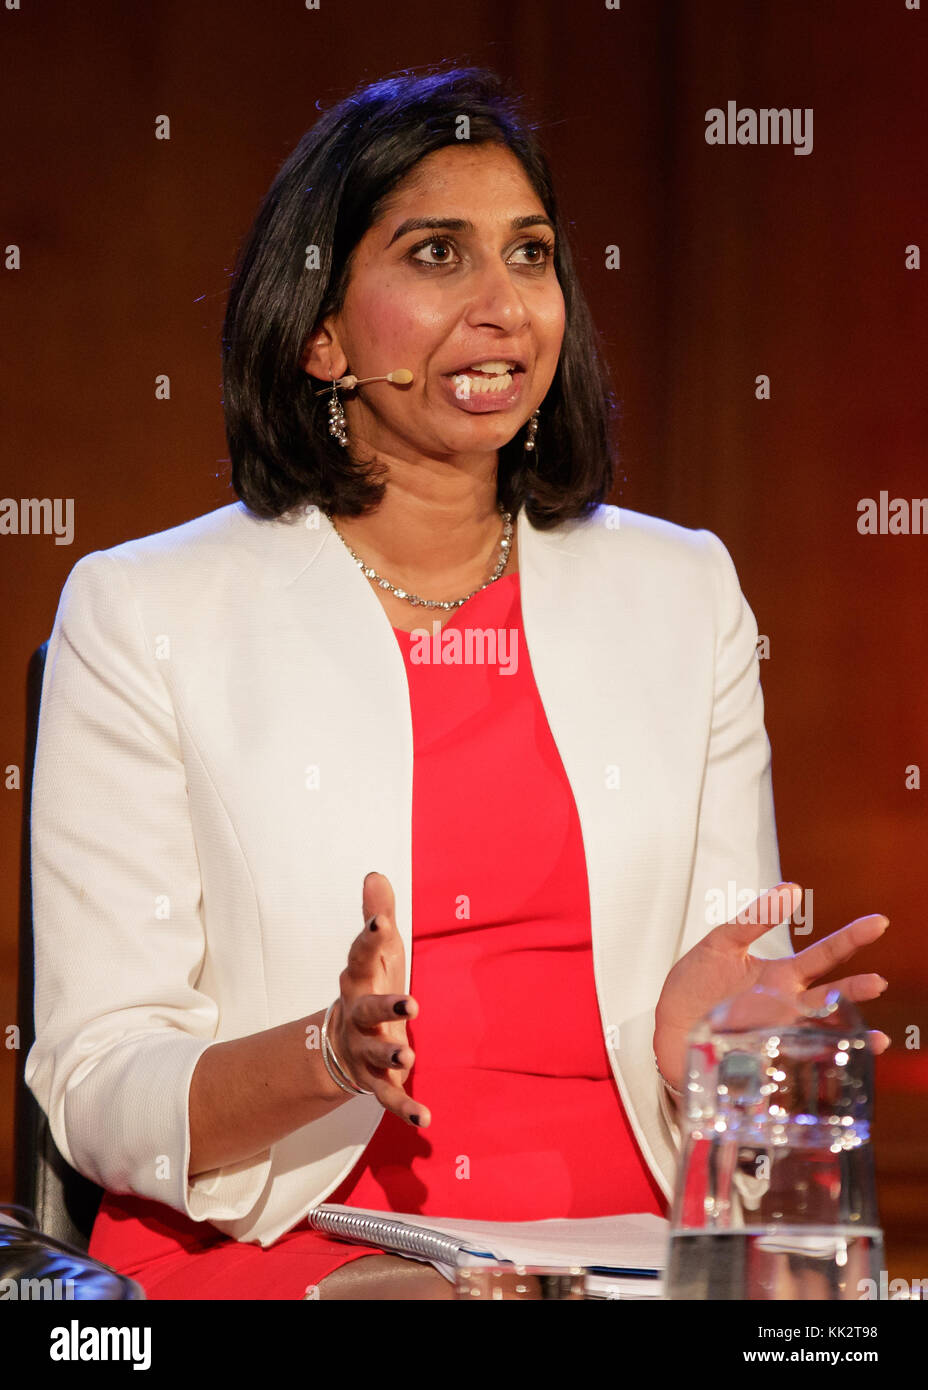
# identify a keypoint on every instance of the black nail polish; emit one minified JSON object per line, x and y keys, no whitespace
{"x":395,"y":1059}
{"x":371,"y":923}
{"x":416,"y":1120}
{"x":400,"y":1008}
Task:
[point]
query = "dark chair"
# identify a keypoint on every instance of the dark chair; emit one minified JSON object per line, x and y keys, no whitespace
{"x":56,"y":1204}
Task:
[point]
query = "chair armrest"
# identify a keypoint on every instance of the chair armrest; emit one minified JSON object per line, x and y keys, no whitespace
{"x":34,"y":1267}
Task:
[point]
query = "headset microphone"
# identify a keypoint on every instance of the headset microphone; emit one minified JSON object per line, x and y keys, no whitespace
{"x":402,"y":376}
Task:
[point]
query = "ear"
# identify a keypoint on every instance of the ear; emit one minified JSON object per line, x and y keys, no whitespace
{"x":323,"y":356}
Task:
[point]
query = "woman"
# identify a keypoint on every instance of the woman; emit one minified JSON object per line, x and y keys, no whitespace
{"x":420,"y":577}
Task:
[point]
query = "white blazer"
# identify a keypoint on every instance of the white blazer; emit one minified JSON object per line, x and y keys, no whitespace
{"x":225,"y":750}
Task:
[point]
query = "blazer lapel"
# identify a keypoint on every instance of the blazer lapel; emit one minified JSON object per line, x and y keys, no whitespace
{"x":591,"y":650}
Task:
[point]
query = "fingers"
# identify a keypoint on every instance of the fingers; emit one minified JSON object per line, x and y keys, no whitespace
{"x":371,"y":1022}
{"x":824,"y":955}
{"x":377,"y":938}
{"x":878,"y":1041}
{"x":395,"y":1099}
{"x":378,"y":945}
{"x":366,"y":1042}
{"x":370,"y":1054}
{"x":369,"y":1047}
{"x":766,"y":911}
{"x":377,"y":897}
{"x":378,"y":941}
{"x":370,"y":1010}
{"x":854,"y":987}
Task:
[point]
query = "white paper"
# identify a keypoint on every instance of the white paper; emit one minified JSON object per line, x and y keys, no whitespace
{"x":628,"y":1242}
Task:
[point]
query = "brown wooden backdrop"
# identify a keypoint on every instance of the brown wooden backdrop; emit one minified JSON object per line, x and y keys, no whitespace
{"x":735,"y":261}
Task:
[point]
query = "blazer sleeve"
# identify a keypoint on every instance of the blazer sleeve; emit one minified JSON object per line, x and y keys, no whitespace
{"x":736,"y":848}
{"x":119,"y":940}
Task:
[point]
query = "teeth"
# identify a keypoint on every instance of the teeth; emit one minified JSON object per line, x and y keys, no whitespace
{"x":481,"y":385}
{"x":493,"y":368}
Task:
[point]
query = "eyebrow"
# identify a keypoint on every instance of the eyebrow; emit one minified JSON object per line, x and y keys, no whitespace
{"x":461,"y":224}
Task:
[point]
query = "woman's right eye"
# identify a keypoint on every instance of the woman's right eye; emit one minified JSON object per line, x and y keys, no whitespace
{"x":432,"y":241}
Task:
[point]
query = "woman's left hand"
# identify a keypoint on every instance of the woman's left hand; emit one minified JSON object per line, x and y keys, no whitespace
{"x":719,"y":966}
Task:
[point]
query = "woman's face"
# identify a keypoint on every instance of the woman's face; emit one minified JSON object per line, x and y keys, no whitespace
{"x":475,"y":287}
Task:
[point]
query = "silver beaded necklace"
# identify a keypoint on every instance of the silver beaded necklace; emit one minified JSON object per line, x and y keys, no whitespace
{"x":366,"y":569}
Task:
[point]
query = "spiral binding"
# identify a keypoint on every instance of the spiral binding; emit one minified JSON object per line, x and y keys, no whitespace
{"x":377,"y":1230}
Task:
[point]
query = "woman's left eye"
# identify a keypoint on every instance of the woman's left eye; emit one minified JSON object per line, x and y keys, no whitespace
{"x":545,"y":248}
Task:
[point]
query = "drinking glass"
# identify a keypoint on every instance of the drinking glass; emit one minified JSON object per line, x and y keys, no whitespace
{"x":775,"y":1195}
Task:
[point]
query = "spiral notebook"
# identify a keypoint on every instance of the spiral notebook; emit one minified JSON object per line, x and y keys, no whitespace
{"x":624,"y":1255}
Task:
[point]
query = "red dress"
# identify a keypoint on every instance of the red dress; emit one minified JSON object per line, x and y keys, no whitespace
{"x":527,"y":1121}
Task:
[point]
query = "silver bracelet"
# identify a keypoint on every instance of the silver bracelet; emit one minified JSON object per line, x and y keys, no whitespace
{"x":672,"y":1089}
{"x":332,"y":1065}
{"x":335,"y":1077}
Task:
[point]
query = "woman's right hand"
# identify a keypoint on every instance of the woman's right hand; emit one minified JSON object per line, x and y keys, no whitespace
{"x":366,"y":1031}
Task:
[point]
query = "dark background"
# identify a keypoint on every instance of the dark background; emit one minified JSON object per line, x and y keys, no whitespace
{"x":735,"y":261}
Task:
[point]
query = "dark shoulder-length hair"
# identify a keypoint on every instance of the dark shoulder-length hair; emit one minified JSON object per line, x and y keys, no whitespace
{"x":327,"y":194}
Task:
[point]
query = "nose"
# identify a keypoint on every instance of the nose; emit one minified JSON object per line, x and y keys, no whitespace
{"x":495,"y":299}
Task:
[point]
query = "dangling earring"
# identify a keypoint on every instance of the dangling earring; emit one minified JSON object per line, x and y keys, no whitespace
{"x":338,"y":426}
{"x":531,"y":431}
